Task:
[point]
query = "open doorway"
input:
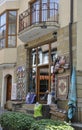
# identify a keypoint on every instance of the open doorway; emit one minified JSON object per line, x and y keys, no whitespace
{"x":9,"y":87}
{"x":43,"y":83}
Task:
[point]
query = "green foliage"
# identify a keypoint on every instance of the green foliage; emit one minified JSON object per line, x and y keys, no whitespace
{"x":21,"y":121}
{"x":16,"y":121}
{"x":47,"y":124}
{"x":60,"y":127}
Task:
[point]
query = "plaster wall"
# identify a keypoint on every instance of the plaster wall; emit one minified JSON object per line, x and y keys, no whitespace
{"x":79,"y":36}
{"x":5,"y":72}
{"x":24,"y":5}
{"x":7,"y":4}
{"x":64,"y":12}
{"x":0,"y":83}
{"x":8,"y":55}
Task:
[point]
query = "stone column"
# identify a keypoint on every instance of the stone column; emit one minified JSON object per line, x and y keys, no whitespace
{"x":28,"y":68}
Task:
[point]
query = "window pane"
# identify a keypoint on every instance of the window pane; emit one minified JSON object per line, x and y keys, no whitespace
{"x":12,"y":16}
{"x":39,"y":55}
{"x":12,"y":29}
{"x":2,"y":43}
{"x":2,"y":31}
{"x":44,"y":11}
{"x":35,"y":12}
{"x":57,"y":1}
{"x":3,"y":19}
{"x":33,"y":56}
{"x":11,"y":41}
{"x":53,"y":51}
{"x":44,"y":1}
{"x":44,"y":54}
{"x":34,"y":79}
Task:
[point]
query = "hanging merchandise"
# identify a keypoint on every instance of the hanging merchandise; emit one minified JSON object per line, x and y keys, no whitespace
{"x":38,"y":110}
{"x":21,"y":90}
{"x":49,"y":99}
{"x":72,"y":96}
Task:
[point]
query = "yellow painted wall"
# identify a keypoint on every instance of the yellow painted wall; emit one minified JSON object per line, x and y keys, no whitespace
{"x":9,"y":5}
{"x":23,"y":4}
{"x":8,"y":55}
{"x":79,"y":36}
{"x":64,"y":12}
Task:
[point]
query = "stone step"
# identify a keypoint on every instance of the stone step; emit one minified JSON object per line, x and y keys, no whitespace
{"x":28,"y":106}
{"x":77,"y":126}
{"x":29,"y":111}
{"x":21,"y":110}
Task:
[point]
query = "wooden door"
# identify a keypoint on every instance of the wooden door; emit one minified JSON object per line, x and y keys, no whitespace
{"x":9,"y":86}
{"x":43,"y":83}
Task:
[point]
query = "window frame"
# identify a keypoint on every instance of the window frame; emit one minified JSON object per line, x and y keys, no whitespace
{"x":7,"y":28}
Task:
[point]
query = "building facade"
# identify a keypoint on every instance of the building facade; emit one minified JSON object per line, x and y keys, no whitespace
{"x":40,"y":43}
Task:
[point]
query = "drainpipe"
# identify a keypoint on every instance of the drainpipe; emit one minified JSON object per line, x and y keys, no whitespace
{"x":70,"y":35}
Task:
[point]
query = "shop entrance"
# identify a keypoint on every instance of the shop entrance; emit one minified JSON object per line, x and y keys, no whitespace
{"x":43,"y":83}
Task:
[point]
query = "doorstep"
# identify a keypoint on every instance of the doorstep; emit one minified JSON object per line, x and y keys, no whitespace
{"x":16,"y":104}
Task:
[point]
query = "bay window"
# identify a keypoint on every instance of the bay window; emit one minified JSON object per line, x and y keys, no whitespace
{"x":8,"y":29}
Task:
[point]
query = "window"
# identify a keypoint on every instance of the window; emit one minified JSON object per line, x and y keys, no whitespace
{"x":8,"y":29}
{"x":2,"y":30}
{"x":3,"y":19}
{"x":12,"y":28}
{"x":40,"y":58}
{"x":43,"y":10}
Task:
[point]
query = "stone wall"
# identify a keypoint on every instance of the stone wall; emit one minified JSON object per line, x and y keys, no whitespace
{"x":21,"y":72}
{"x":63,"y":49}
{"x":63,"y":41}
{"x":79,"y":96}
{"x":21,"y":55}
{"x":41,"y":40}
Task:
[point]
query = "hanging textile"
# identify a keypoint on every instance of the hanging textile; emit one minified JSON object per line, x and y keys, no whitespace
{"x":72,"y":96}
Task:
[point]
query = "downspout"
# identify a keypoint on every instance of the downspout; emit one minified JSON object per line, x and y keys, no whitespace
{"x":70,"y":36}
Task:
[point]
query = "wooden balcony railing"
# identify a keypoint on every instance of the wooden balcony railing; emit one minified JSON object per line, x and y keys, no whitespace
{"x":38,"y":14}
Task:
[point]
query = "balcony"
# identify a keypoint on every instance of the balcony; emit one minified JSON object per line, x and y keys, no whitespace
{"x":38,"y":21}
